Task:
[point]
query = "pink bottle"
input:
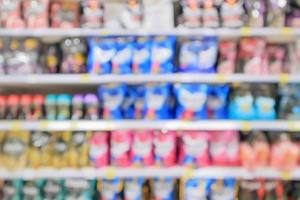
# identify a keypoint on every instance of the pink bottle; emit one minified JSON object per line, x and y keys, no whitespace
{"x":224,"y":148}
{"x":194,"y":149}
{"x":165,"y":148}
{"x":142,"y":148}
{"x":120,"y":145}
{"x":99,"y":149}
{"x":284,"y":153}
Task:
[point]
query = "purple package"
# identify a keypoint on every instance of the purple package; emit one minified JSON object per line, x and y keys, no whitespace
{"x":91,"y":107}
{"x":77,"y":107}
{"x":255,"y":11}
{"x":293,"y":18}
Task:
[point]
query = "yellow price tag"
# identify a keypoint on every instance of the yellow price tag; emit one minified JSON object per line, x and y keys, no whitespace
{"x":286,"y":31}
{"x":188,"y":173}
{"x":73,"y":125}
{"x":245,"y":31}
{"x":283,"y":78}
{"x":245,"y":126}
{"x":292,"y":126}
{"x":104,"y":32}
{"x":43,"y":124}
{"x":285,"y":175}
{"x":110,"y":173}
{"x":220,"y":78}
{"x":15,"y":126}
{"x":84,"y":78}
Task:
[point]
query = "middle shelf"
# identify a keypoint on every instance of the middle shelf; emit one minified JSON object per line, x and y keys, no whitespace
{"x":107,"y":125}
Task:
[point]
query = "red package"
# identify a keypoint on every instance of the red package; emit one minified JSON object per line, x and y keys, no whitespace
{"x":120,"y":145}
{"x":194,"y":150}
{"x":142,"y":148}
{"x":10,"y":14}
{"x":36,"y":13}
{"x":228,"y":55}
{"x":224,"y":148}
{"x":99,"y":149}
{"x":64,"y":14}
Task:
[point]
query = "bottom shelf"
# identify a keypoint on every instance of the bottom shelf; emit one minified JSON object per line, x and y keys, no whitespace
{"x":149,"y":172}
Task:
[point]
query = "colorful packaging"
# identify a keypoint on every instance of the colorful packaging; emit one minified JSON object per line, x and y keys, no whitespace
{"x":91,"y":107}
{"x":191,"y":101}
{"x":223,"y":189}
{"x":26,"y":107}
{"x":265,"y":102}
{"x":228,"y":56}
{"x":13,"y":107}
{"x":79,"y":189}
{"x":241,"y":105}
{"x":194,"y":149}
{"x":289,"y":104}
{"x":10,"y":16}
{"x":165,"y":148}
{"x":133,"y":189}
{"x":120,"y":145}
{"x":156,"y":101}
{"x":199,"y":55}
{"x":142,"y":148}
{"x":163,"y":188}
{"x":112,"y":96}
{"x":162,"y":54}
{"x":92,"y":16}
{"x":12,"y":190}
{"x":110,"y":189}
{"x":141,"y":63}
{"x":131,"y":17}
{"x":39,"y":153}
{"x":255,"y":151}
{"x":79,"y":149}
{"x":51,"y":106}
{"x":275,"y":56}
{"x":256,"y":10}
{"x":192,"y":13}
{"x":224,"y":148}
{"x":60,"y":149}
{"x":196,"y":189}
{"x":128,"y":106}
{"x":53,"y":189}
{"x":210,"y":14}
{"x":63,"y":106}
{"x":36,"y":13}
{"x":3,"y":102}
{"x":276,"y":14}
{"x":31,"y":190}
{"x":51,"y":58}
{"x":251,"y":56}
{"x":139,"y":103}
{"x":284,"y":153}
{"x":121,"y":61}
{"x":64,"y":14}
{"x":101,"y":53}
{"x":99,"y":149}
{"x":217,"y":102}
{"x":232,"y":13}
{"x":250,"y":189}
{"x":38,"y":107}
{"x":77,"y":107}
{"x":73,"y":56}
{"x":15,"y":148}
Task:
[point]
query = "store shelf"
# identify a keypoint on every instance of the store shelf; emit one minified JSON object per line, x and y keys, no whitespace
{"x":86,"y":125}
{"x":221,"y":32}
{"x":149,"y":172}
{"x":89,"y":79}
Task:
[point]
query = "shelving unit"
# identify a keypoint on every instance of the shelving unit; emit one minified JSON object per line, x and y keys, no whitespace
{"x":147,"y":172}
{"x":107,"y":125}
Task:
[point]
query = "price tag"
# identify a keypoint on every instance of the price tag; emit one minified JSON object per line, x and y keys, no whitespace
{"x":245,"y":126}
{"x":104,"y":32}
{"x":220,"y":78}
{"x":73,"y":125}
{"x":84,"y":78}
{"x":292,"y":126}
{"x":110,"y":173}
{"x":245,"y":31}
{"x":188,"y":173}
{"x":285,"y":175}
{"x":283,"y":79}
{"x":286,"y":31}
{"x":44,"y":124}
{"x":15,"y":126}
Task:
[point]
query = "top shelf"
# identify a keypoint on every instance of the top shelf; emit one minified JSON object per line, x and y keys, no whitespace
{"x":219,"y":32}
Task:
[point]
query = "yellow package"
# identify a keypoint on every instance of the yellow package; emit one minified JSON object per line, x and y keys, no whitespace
{"x":59,"y":149}
{"x":79,"y":149}
{"x":39,"y":154}
{"x":14,"y":150}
